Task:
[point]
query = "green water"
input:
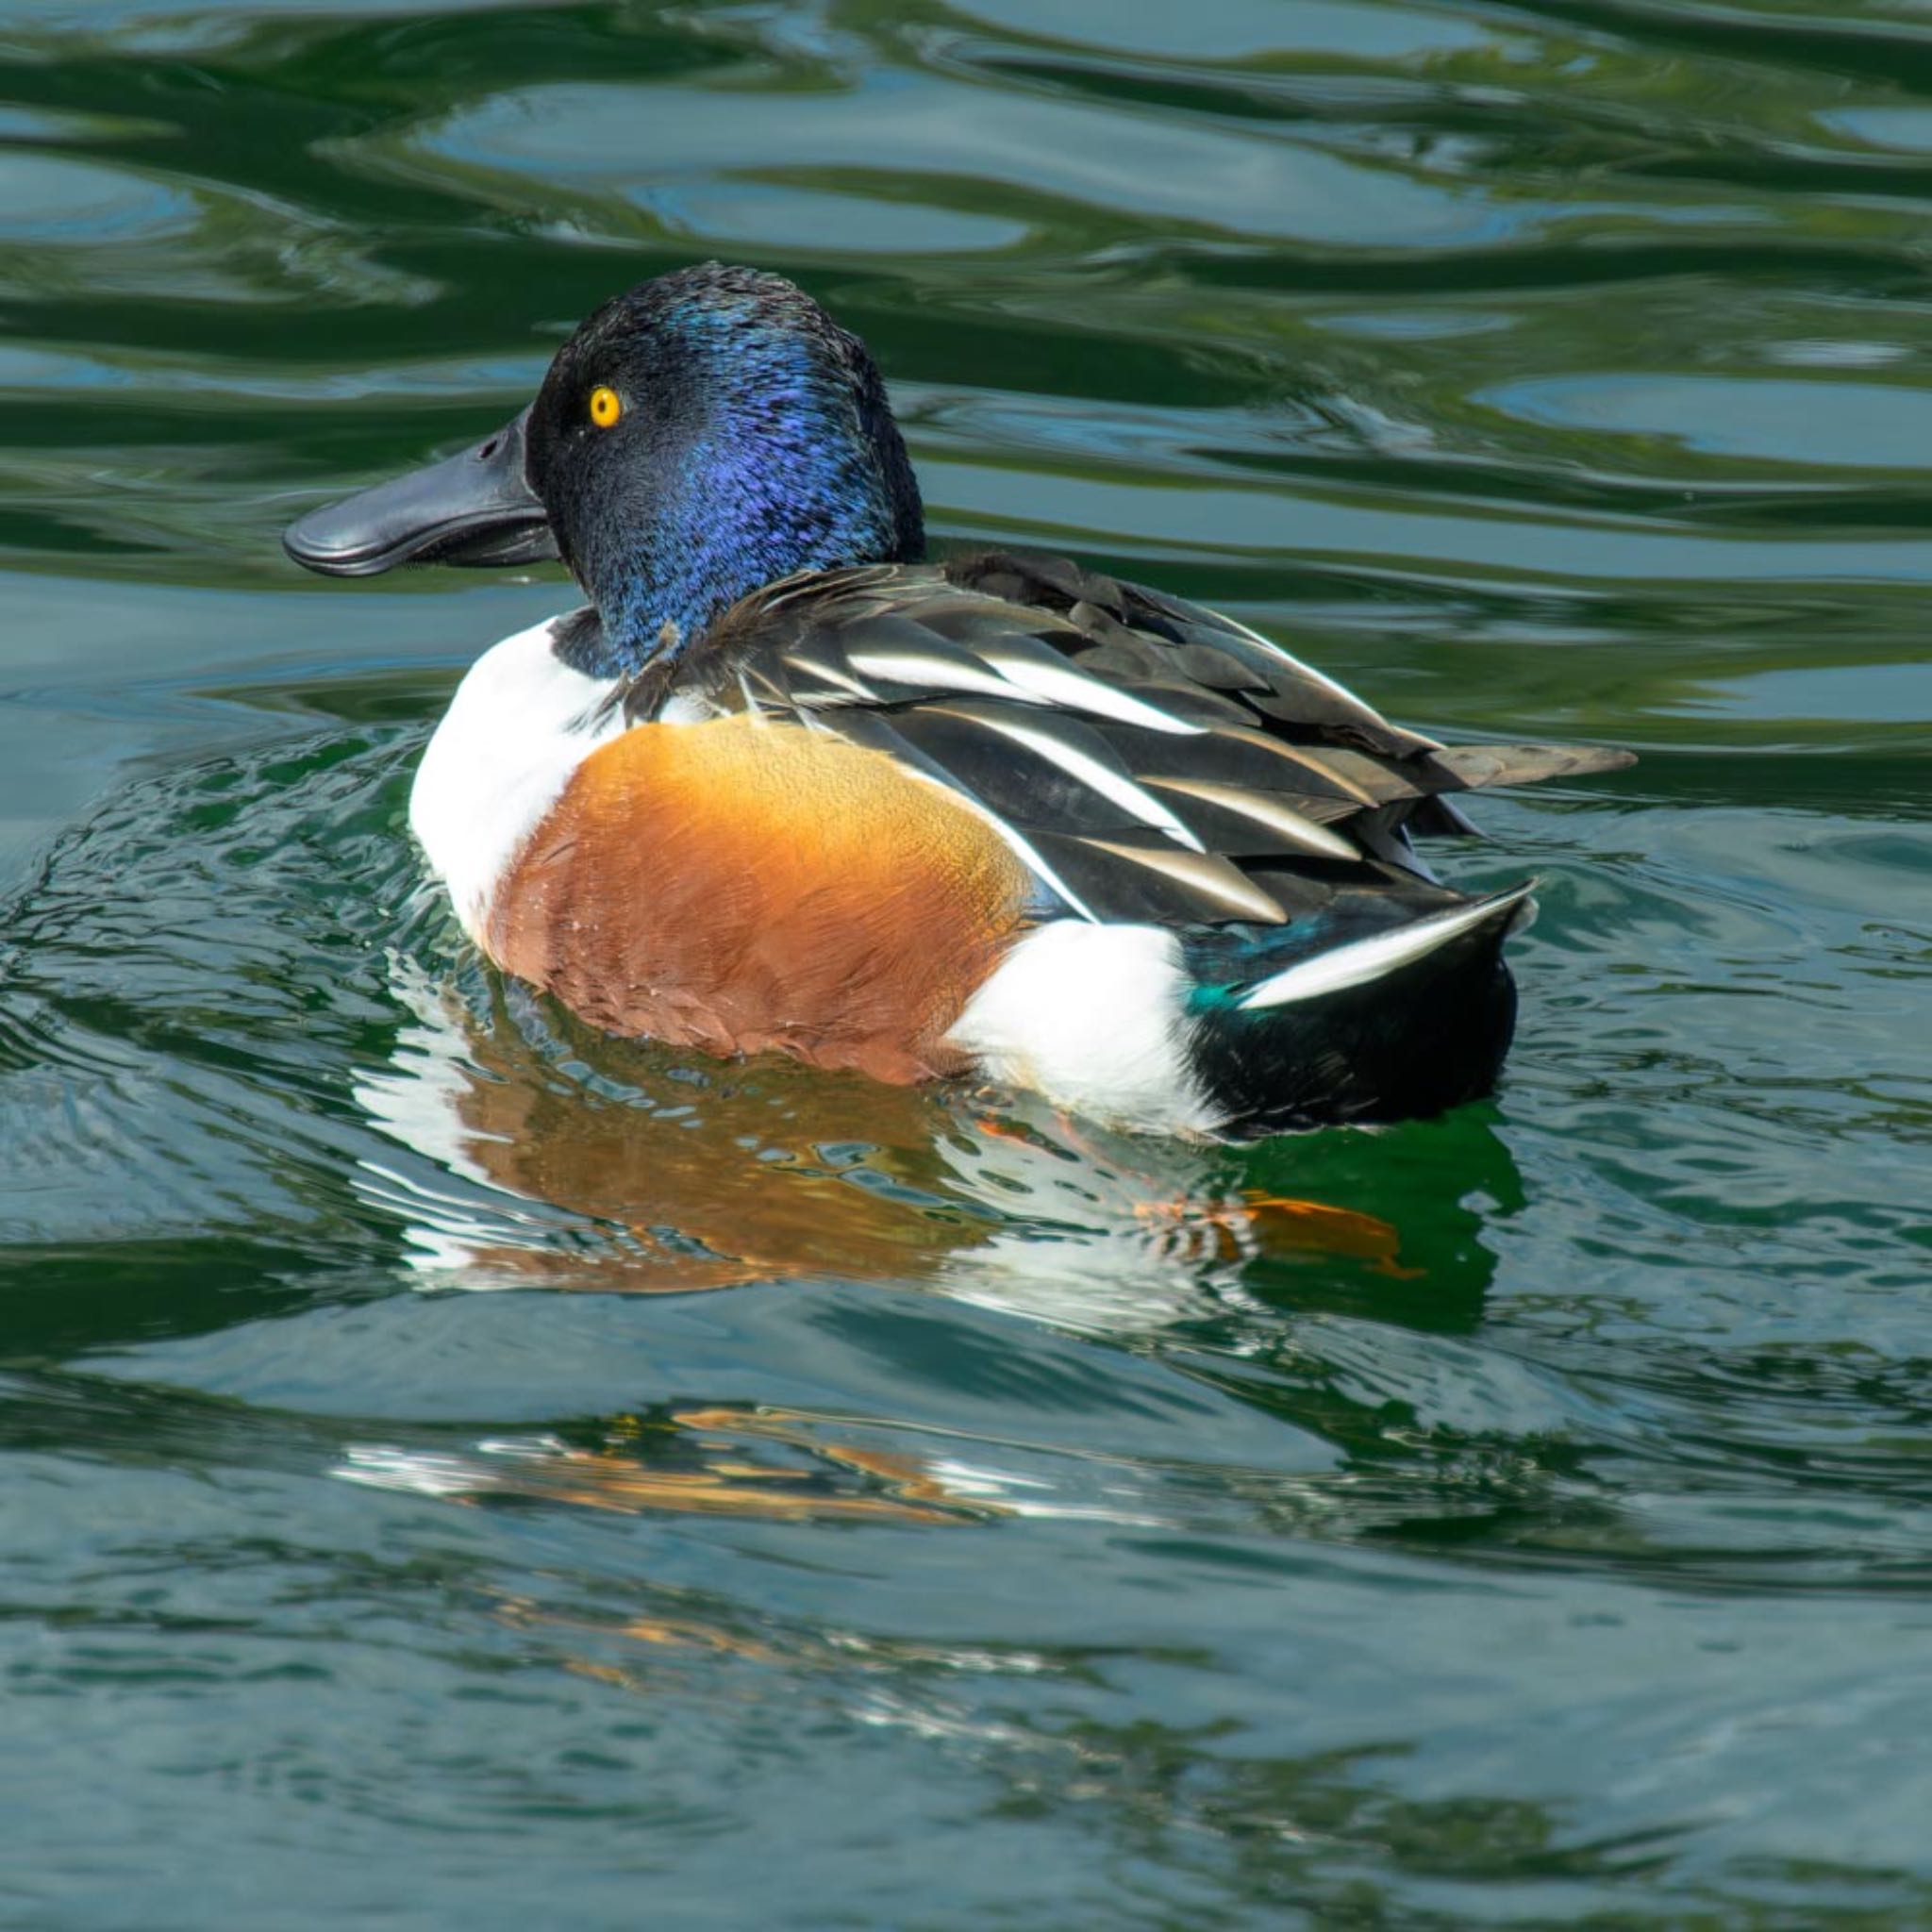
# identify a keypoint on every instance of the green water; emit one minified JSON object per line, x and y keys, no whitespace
{"x":856,"y":1508}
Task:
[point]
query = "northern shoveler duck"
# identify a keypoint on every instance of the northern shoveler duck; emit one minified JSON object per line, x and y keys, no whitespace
{"x":785,"y":785}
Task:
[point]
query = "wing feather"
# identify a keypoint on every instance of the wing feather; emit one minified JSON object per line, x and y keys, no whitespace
{"x":1267,"y":810}
{"x":1145,"y":759}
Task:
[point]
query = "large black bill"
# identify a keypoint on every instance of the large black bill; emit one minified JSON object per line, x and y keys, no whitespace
{"x":474,"y":509}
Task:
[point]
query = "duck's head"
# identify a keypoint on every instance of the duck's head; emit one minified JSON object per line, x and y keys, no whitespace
{"x":707,"y":433}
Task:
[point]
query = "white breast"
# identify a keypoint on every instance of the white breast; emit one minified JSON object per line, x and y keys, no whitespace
{"x":521,"y":723}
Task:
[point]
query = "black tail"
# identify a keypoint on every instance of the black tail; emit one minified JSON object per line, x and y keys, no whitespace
{"x":1326,"y":1040}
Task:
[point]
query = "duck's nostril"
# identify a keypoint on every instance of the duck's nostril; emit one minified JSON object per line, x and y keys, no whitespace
{"x":488,"y":450}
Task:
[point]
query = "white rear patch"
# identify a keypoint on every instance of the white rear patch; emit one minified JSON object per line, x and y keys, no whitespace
{"x":1362,"y":960}
{"x":521,"y":723}
{"x":1093,"y":1017}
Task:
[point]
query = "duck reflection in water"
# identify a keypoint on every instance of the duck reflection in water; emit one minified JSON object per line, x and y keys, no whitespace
{"x":533,"y":1150}
{"x":525,"y":1144}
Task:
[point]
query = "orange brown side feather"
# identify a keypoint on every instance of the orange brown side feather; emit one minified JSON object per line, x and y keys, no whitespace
{"x":743,"y":886}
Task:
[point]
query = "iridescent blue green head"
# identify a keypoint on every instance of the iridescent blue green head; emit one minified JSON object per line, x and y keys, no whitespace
{"x":707,"y":433}
{"x":703,"y":435}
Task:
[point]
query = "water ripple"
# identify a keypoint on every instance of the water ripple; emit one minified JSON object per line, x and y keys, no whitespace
{"x":914,"y":1508}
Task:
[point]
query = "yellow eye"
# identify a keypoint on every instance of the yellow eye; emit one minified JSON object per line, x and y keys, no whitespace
{"x":606,"y":405}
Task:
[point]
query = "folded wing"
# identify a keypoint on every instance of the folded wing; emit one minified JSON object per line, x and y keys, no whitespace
{"x":1147,"y":760}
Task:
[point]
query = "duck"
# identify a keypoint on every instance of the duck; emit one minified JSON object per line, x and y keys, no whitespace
{"x":789,"y":783}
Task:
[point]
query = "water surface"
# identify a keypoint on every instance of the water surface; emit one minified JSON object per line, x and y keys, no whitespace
{"x":459,"y":1470}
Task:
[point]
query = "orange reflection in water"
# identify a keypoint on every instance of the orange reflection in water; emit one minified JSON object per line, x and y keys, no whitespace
{"x":766,"y":1464}
{"x":581,"y":1162}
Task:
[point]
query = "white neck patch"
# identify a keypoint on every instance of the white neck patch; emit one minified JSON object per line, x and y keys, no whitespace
{"x":521,"y":723}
